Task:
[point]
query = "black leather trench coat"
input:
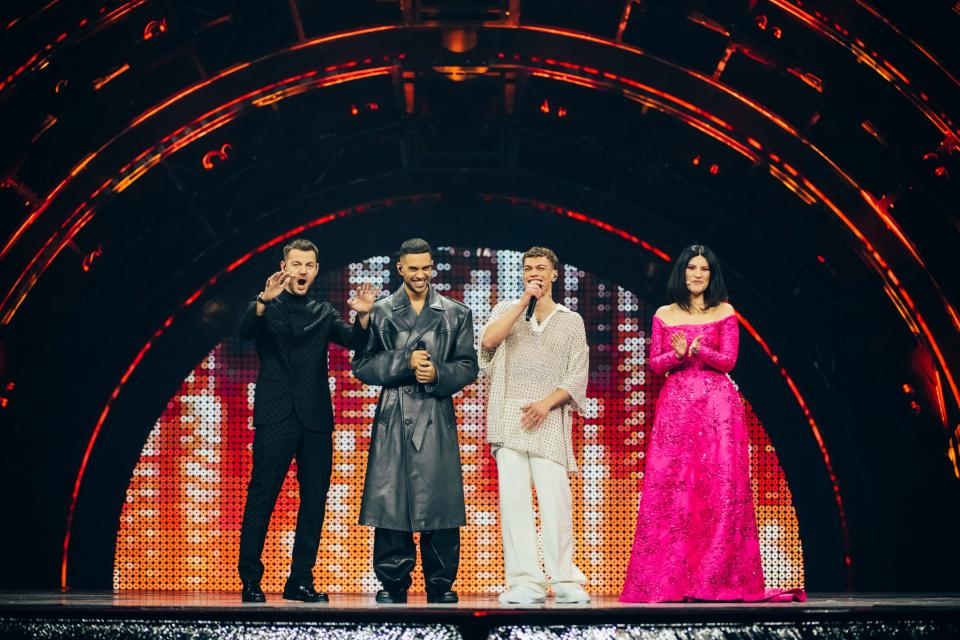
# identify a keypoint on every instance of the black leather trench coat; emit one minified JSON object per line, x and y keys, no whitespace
{"x":414,"y":481}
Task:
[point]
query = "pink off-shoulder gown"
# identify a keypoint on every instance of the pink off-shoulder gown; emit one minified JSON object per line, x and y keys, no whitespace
{"x":696,"y":536}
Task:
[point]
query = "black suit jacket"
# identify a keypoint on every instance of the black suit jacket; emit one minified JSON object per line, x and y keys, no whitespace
{"x":293,"y":363}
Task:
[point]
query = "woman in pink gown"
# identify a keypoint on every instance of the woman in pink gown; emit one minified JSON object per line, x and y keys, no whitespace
{"x":696,"y":536}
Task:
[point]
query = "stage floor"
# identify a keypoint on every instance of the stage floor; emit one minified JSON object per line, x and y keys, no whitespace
{"x":185,"y":602}
{"x":215,"y":616}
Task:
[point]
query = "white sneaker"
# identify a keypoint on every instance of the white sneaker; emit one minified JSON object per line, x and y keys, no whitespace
{"x":571,"y":594}
{"x":521,"y":595}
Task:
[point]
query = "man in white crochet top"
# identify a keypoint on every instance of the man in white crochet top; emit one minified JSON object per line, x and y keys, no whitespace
{"x":538,"y":376}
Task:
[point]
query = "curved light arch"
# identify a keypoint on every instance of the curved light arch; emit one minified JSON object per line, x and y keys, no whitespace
{"x":714,"y":127}
{"x":705,"y":122}
{"x":779,"y":169}
{"x":151,"y":157}
{"x":883,"y":68}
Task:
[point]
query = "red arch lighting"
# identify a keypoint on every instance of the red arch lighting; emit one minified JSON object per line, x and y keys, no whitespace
{"x":567,"y":72}
{"x":710,"y":125}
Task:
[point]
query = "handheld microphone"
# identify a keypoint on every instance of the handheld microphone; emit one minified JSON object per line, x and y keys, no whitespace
{"x":530,"y":307}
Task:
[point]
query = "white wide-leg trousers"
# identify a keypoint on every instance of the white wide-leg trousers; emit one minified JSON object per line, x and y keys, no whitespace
{"x":517,"y":473}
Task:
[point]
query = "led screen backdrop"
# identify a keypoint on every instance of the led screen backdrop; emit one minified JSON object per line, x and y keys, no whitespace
{"x":179,"y":527}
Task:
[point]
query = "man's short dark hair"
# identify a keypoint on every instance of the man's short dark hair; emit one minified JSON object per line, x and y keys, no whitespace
{"x":301,"y":244}
{"x":542,"y":252}
{"x":415,"y":245}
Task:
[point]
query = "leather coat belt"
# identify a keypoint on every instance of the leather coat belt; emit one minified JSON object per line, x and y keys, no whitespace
{"x":417,"y":424}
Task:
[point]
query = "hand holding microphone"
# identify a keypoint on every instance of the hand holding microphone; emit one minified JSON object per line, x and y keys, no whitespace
{"x":423,"y":368}
{"x":535,"y":291}
{"x":419,"y":355}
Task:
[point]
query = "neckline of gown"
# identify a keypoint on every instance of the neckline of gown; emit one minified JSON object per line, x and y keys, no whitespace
{"x":695,"y":324}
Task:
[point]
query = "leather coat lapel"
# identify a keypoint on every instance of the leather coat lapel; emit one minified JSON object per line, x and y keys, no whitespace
{"x":430,"y":316}
{"x":404,"y":316}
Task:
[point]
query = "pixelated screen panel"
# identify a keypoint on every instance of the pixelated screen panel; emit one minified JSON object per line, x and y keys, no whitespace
{"x":180,"y":525}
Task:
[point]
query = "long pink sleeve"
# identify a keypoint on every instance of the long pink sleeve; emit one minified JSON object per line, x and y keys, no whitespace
{"x":662,"y":356}
{"x":724,"y":356}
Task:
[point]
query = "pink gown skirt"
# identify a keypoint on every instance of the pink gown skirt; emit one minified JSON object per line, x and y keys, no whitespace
{"x":696,"y":535}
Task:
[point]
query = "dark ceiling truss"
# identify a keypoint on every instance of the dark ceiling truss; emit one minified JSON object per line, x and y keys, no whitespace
{"x":683,"y":98}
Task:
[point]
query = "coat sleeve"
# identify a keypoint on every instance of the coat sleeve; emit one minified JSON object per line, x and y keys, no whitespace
{"x":372,"y":364}
{"x":662,"y":356}
{"x":725,"y":355}
{"x":576,"y":376}
{"x":350,"y":336}
{"x":250,"y":323}
{"x":462,"y":368}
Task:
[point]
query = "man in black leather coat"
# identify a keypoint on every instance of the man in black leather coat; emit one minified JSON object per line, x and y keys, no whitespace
{"x":292,"y":412}
{"x":420,"y":349}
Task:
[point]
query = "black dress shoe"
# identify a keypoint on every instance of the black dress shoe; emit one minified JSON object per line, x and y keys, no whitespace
{"x":304,"y":593}
{"x":252,"y":592}
{"x":385,"y":596}
{"x":442,"y":597}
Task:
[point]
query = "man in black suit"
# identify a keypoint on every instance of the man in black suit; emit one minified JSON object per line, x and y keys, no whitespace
{"x":292,"y":412}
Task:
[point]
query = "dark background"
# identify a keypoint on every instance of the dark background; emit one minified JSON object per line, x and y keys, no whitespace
{"x":812,"y":146}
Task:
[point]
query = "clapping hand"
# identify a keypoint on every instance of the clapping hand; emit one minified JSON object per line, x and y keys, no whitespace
{"x":695,"y":345}
{"x":679,"y":342}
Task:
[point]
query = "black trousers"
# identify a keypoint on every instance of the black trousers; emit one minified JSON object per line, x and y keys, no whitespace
{"x":395,"y":555}
{"x":274,"y":446}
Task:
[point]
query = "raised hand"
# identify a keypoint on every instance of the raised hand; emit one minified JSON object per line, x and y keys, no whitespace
{"x":275,"y":285}
{"x":364,"y":298}
{"x":679,"y":342}
{"x":695,"y":345}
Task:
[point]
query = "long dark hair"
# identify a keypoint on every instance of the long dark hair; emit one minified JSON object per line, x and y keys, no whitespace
{"x":677,"y":292}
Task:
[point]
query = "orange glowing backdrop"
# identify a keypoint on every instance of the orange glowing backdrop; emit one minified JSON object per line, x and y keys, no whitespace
{"x":179,"y":527}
